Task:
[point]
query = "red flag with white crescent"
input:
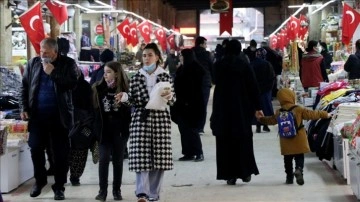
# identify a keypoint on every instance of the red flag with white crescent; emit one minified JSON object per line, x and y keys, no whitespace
{"x":161,"y":37}
{"x":351,"y":20}
{"x":226,"y":19}
{"x":273,"y":42}
{"x":32,"y":22}
{"x":58,"y":11}
{"x":145,"y":29}
{"x":171,"y":41}
{"x":304,"y":26}
{"x":133,"y":34}
{"x":124,"y":29}
{"x":293,"y":26}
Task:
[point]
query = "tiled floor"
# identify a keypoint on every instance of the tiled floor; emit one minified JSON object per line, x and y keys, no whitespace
{"x":196,"y":181}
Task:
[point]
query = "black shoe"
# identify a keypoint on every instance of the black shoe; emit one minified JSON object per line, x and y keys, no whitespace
{"x":266,"y":128}
{"x":247,"y":179}
{"x":199,"y":158}
{"x":117,"y":195}
{"x":231,"y":181}
{"x":36,"y":189}
{"x":186,"y":158}
{"x":101,"y":196}
{"x":289,"y":179}
{"x":142,"y":197}
{"x":299,"y":176}
{"x":59,"y":195}
{"x":75,"y":181}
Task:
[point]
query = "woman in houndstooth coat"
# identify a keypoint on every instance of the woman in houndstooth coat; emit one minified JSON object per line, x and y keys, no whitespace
{"x":150,"y":150}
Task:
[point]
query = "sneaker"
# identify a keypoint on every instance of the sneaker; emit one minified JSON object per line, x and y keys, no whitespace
{"x":299,"y":177}
{"x":290,"y":179}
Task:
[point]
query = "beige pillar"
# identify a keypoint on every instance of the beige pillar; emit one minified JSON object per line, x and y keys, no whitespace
{"x":78,"y":28}
{"x":5,"y":34}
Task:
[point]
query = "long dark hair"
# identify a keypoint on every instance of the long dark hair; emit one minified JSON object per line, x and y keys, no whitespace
{"x":311,"y":45}
{"x":122,"y":83}
{"x":156,"y":49}
{"x":188,"y":56}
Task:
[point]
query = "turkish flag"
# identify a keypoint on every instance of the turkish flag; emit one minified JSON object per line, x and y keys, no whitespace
{"x":171,"y":41}
{"x":304,"y":26}
{"x":124,"y":29}
{"x":293,"y":26}
{"x":350,"y":21}
{"x":58,"y":11}
{"x":161,"y":37}
{"x":133,"y":34}
{"x":273,"y":42}
{"x":226,"y":20}
{"x":32,"y":22}
{"x":145,"y":29}
{"x":280,"y":40}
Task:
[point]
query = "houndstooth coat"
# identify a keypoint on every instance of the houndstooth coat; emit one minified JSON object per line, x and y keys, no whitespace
{"x":150,"y":141}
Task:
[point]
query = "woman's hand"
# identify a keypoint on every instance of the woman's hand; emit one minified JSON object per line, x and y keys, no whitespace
{"x":167,"y":95}
{"x":118,"y":97}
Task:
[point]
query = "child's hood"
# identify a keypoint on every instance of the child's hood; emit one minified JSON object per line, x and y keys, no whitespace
{"x":286,"y":96}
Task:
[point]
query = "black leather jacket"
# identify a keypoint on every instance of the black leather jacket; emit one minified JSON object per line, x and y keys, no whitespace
{"x":64,"y":76}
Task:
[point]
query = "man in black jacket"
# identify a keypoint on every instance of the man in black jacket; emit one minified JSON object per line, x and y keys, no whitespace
{"x":46,"y":101}
{"x":204,"y":58}
{"x":352,"y":65}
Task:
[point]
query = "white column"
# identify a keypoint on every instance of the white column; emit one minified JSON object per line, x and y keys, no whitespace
{"x":5,"y":34}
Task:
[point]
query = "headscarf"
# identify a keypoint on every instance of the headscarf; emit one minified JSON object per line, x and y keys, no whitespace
{"x":261,"y":53}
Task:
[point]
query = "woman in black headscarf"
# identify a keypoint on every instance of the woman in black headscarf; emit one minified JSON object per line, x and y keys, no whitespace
{"x":236,"y":100}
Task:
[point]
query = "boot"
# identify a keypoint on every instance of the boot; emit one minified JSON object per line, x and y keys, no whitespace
{"x":258,"y":128}
{"x":290,"y":178}
{"x":101,"y":196}
{"x":117,"y":195}
{"x":266,"y":128}
{"x":299,"y":176}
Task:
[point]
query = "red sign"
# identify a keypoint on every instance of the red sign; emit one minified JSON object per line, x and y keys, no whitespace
{"x":99,"y":29}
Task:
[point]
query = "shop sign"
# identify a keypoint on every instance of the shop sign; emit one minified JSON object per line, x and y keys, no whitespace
{"x":99,"y":40}
{"x":99,"y":29}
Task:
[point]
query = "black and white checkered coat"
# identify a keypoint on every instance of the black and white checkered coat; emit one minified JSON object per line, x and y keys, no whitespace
{"x":150,"y":141}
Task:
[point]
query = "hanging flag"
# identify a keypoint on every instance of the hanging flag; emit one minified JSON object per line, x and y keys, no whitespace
{"x":273,"y":41}
{"x":171,"y":41}
{"x":145,"y":29}
{"x":133,"y":34}
{"x":161,"y":37}
{"x":304,"y":26}
{"x":32,"y":22}
{"x":58,"y":11}
{"x":293,"y":26}
{"x":226,"y":19}
{"x":350,"y":21}
{"x":124,"y":29}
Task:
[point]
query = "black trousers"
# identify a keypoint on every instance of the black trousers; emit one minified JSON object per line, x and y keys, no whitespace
{"x":190,"y":138}
{"x":116,"y":148}
{"x":288,"y":162}
{"x":206,"y":95}
{"x":40,"y":132}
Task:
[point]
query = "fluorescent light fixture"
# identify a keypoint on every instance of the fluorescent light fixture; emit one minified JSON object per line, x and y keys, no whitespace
{"x":306,"y":5}
{"x":77,"y":5}
{"x":323,"y":6}
{"x":284,"y":23}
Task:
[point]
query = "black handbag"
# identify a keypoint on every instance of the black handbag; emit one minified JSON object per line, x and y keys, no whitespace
{"x":81,"y":134}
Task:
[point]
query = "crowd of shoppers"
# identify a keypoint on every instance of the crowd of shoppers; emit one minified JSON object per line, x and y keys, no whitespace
{"x":75,"y":115}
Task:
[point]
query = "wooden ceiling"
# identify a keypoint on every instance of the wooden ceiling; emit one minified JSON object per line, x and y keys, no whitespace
{"x":205,"y":4}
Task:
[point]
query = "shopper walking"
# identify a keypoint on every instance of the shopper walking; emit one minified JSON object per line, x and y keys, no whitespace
{"x":295,"y":147}
{"x":265,"y":77}
{"x":352,"y":65}
{"x":326,"y":55}
{"x":189,"y":105}
{"x":106,"y":56}
{"x":150,"y":151}
{"x":172,"y":62}
{"x":81,"y":135}
{"x":204,"y":58}
{"x":313,"y":70}
{"x":236,"y":100}
{"x":250,"y":51}
{"x":46,"y":101}
{"x":111,"y":127}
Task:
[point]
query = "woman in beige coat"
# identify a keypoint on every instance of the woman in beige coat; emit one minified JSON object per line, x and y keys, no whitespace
{"x":294,"y":148}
